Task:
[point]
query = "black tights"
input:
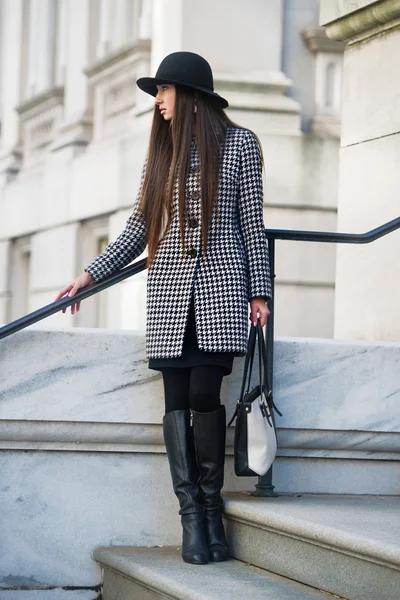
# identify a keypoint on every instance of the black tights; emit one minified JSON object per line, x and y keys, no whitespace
{"x":197,"y":388}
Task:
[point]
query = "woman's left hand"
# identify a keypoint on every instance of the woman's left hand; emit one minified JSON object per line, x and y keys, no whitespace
{"x":258,"y":305}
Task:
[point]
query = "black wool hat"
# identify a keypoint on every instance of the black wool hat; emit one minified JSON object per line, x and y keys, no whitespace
{"x":186,"y":69}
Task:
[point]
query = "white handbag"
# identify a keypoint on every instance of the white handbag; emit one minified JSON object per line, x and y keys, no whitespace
{"x":255,"y":438}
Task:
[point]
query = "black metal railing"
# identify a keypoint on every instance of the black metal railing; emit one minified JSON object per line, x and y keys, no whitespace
{"x":54,"y":307}
{"x":264,"y":487}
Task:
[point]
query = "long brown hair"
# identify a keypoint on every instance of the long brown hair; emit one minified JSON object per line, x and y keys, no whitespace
{"x":168,"y":163}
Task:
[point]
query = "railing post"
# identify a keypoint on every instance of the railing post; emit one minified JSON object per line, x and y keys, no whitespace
{"x":264,"y":487}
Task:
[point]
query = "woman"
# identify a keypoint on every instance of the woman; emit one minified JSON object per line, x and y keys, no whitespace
{"x":199,"y":210}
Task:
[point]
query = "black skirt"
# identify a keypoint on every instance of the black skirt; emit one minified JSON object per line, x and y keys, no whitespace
{"x":191,"y":355}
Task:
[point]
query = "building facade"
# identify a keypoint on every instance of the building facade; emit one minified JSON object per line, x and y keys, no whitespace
{"x":74,"y":131}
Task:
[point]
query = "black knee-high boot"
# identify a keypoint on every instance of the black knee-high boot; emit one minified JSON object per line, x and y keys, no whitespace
{"x":178,"y":437}
{"x":209,"y":435}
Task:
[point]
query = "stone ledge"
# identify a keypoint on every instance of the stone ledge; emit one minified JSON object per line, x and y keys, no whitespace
{"x":327,"y":125}
{"x":330,"y":10}
{"x":365,"y":22}
{"x":148,"y":438}
{"x":37,"y":104}
{"x":112,"y":81}
{"x":346,"y":545}
{"x":257,"y":91}
{"x":117,"y":56}
{"x":352,"y":524}
{"x":317,"y":41}
{"x":163,"y":574}
{"x":40,"y":118}
{"x":100,"y":376}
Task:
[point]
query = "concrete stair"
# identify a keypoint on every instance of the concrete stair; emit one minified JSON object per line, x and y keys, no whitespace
{"x":160,"y":573}
{"x":287,"y":548}
{"x":346,"y":545}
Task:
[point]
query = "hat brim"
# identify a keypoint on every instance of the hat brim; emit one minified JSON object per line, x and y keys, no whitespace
{"x":149,"y":85}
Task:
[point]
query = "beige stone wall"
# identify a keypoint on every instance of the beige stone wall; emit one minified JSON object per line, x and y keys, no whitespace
{"x":334,"y":9}
{"x":367,"y":281}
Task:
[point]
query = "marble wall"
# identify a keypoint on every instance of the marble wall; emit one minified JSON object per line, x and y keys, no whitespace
{"x":82,"y":459}
{"x":101,"y":376}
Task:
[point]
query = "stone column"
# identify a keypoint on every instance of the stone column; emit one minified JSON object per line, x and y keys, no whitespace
{"x":145,"y":20}
{"x":167,"y":30}
{"x":33,"y":49}
{"x":41,"y":52}
{"x":123,"y":22}
{"x":62,"y":30}
{"x":76,"y":129}
{"x":45,"y":32}
{"x":367,"y":278}
{"x":1,"y":54}
{"x":103,"y":44}
{"x":10,"y":73}
{"x":244,"y":48}
{"x":233,"y":38}
{"x":242,"y":44}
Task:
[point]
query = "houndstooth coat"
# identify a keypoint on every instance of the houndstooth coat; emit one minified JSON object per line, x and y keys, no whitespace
{"x":234,"y":270}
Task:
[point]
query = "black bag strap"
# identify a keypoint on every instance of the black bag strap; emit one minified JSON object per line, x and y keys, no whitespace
{"x":248,"y":363}
{"x":263,"y":353}
{"x":253,"y":352}
{"x":263,"y":365}
{"x":248,"y":368}
{"x":256,"y":336}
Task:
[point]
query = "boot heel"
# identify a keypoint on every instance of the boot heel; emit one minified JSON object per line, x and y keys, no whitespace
{"x":217,"y":544}
{"x":194,"y":542}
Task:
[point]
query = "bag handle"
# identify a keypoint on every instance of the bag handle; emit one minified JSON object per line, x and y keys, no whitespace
{"x":263,"y":353}
{"x":248,"y":364}
{"x":256,"y":335}
{"x":263,"y":365}
{"x":247,"y":371}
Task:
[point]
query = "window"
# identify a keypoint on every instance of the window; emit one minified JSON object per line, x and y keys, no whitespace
{"x":101,"y":300}
{"x":93,"y":239}
{"x":20,"y":277}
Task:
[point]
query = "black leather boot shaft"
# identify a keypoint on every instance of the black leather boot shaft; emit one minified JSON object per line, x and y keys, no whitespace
{"x":209,"y":438}
{"x":178,"y":437}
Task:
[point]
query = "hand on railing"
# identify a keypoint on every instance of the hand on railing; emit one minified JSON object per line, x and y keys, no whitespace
{"x":72,"y":288}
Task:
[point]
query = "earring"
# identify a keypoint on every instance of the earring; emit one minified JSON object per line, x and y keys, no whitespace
{"x":195,"y":107}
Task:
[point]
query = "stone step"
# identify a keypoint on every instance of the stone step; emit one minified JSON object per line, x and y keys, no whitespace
{"x":345,"y":545}
{"x":160,"y":573}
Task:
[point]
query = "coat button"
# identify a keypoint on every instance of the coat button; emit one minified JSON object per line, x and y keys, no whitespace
{"x":195,"y":195}
{"x":193,"y":223}
{"x":194,"y":168}
{"x":193,"y":252}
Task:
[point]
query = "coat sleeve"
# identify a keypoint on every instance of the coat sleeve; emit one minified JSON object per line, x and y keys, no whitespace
{"x":128,"y":245}
{"x":251,"y":218}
